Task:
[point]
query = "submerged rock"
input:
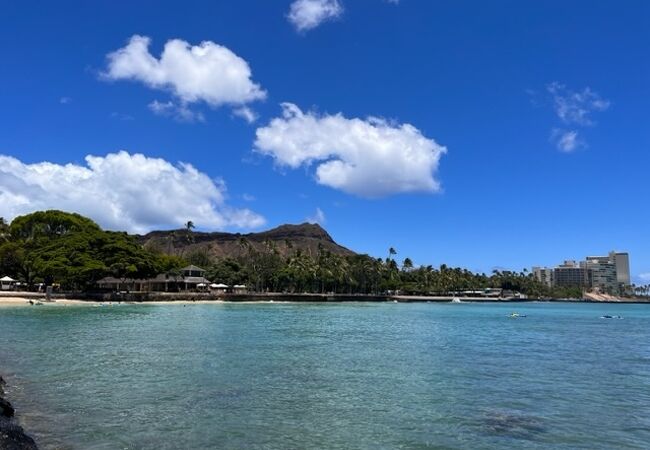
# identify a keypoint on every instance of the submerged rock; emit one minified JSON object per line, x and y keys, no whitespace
{"x":6,"y":410}
{"x":513,"y":425}
{"x":12,"y":435}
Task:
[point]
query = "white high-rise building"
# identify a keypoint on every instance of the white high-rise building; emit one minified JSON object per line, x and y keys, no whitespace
{"x":609,"y":273}
{"x":603,"y":273}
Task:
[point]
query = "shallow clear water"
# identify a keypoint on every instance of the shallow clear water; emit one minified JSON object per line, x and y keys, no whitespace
{"x":376,"y":375}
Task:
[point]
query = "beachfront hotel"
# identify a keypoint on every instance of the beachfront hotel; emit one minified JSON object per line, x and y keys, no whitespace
{"x":608,"y":274}
{"x":190,"y":278}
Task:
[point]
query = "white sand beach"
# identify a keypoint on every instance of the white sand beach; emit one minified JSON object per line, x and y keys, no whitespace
{"x":24,"y":301}
{"x":14,"y":301}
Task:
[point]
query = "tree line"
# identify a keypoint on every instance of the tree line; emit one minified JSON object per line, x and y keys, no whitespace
{"x":73,"y":251}
{"x":268,"y":270}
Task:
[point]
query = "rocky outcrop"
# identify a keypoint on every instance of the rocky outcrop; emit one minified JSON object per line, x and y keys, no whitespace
{"x":286,"y":239}
{"x":12,"y":435}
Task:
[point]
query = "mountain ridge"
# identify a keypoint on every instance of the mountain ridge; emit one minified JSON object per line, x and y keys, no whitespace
{"x":286,"y":239}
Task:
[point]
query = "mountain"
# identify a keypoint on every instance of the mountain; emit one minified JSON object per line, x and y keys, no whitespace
{"x":287,"y":239}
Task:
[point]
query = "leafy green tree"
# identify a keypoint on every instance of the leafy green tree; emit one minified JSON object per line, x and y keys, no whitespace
{"x":74,"y":251}
{"x":227,"y":271}
{"x":49,"y":224}
{"x":199,"y":257}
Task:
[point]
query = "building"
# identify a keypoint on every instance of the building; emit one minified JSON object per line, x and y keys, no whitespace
{"x":7,"y":284}
{"x":190,"y":278}
{"x":603,"y":273}
{"x":571,"y":274}
{"x":622,"y":261}
{"x":544,"y":275}
{"x":608,"y":274}
{"x":218,"y":288}
{"x":239,"y":289}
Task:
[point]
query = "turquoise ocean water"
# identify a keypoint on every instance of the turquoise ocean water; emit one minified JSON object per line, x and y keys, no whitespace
{"x":352,"y":375}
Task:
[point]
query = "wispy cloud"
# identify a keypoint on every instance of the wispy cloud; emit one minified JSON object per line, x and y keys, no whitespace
{"x":308,"y":14}
{"x":574,"y":110}
{"x":121,"y":116}
{"x":576,"y":107}
{"x":566,"y":140}
{"x":179,"y":111}
{"x":245,"y":113}
{"x":318,"y":217}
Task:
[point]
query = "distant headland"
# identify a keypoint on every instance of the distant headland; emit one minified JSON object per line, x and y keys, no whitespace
{"x":66,"y":255}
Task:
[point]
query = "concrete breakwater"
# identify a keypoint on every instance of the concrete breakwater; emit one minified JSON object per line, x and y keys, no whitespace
{"x":12,"y":435}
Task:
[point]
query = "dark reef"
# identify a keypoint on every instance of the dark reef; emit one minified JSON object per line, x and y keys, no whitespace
{"x":12,"y":435}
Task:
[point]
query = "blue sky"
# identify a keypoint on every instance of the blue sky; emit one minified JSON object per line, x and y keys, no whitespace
{"x":526,"y":122}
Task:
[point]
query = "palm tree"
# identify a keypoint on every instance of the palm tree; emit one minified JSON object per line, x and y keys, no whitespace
{"x":189,"y":226}
{"x":391,"y":252}
{"x":171,"y":239}
{"x":288,"y":245}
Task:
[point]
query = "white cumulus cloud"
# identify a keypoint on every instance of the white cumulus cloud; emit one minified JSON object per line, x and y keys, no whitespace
{"x":308,"y":14}
{"x":207,"y":72}
{"x":368,"y":158}
{"x":121,"y":191}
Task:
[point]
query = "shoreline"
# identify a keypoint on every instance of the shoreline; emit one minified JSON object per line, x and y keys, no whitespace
{"x":14,"y":299}
{"x":12,"y":435}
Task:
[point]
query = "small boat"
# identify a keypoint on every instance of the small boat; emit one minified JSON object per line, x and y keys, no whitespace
{"x":456,"y":300}
{"x":610,"y":317}
{"x":516,"y":315}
